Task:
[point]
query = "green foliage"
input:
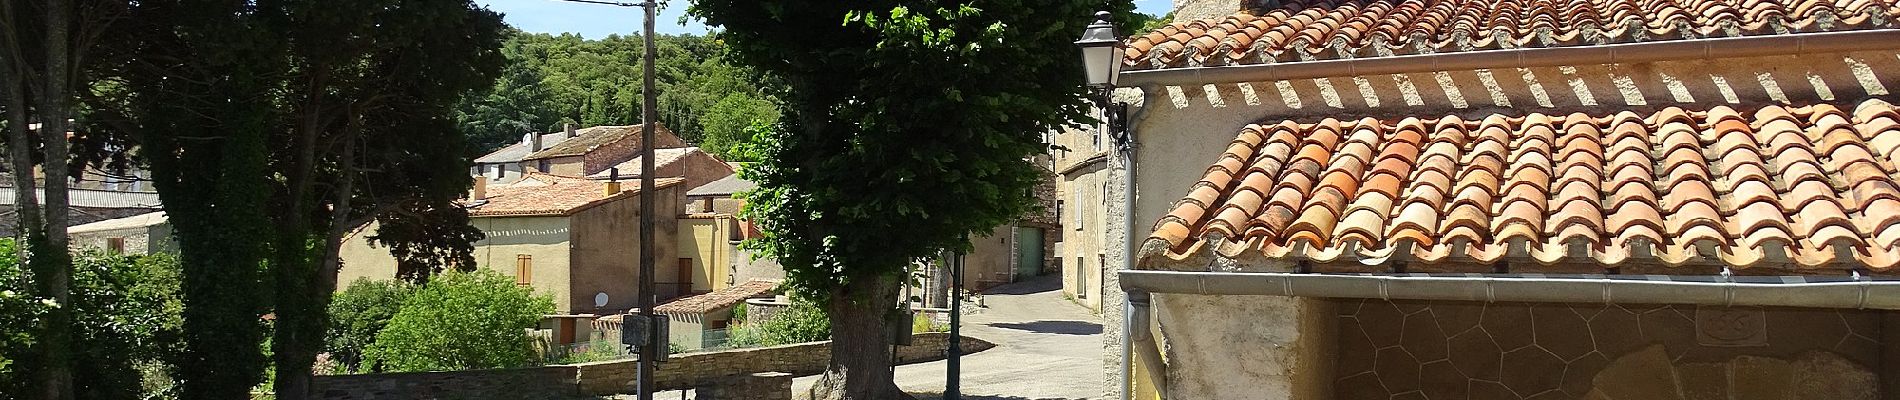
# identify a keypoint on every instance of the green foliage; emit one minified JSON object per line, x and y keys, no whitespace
{"x":921,"y":323}
{"x":357,"y":314}
{"x":555,"y":79}
{"x":461,"y":320}
{"x":802,"y":322}
{"x":907,"y":128}
{"x":128,"y":319}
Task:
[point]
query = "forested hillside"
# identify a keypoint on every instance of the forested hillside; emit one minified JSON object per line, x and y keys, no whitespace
{"x":553,"y":79}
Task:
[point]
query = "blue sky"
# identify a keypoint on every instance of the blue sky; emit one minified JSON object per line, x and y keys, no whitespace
{"x":597,"y":21}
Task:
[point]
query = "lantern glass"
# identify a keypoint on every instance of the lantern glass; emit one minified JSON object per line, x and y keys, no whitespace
{"x":1101,"y":58}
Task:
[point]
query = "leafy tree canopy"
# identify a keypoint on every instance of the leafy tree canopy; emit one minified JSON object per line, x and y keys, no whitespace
{"x":462,"y":320}
{"x":556,"y":79}
{"x":358,"y":313}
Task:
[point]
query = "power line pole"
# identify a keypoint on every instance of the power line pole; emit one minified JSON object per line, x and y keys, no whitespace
{"x":649,"y":325}
{"x":649,"y":115}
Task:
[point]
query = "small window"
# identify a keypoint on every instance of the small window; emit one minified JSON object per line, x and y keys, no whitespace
{"x":524,"y":270}
{"x":543,"y":165}
{"x":115,"y":245}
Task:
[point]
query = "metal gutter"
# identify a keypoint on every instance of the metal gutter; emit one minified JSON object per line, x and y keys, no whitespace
{"x":1850,"y":293}
{"x":1623,"y":53}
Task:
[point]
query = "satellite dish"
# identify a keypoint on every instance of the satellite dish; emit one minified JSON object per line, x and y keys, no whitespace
{"x":600,"y":299}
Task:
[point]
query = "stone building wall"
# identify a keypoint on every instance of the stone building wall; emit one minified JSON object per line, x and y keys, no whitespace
{"x":1447,"y":350}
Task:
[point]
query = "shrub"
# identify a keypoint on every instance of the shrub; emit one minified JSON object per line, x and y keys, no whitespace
{"x":799,"y":323}
{"x":127,"y":323}
{"x":461,"y":320}
{"x":357,"y":314}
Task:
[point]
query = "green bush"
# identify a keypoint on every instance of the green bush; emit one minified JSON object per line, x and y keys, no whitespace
{"x":127,"y":316}
{"x":357,"y":314}
{"x":799,"y":323}
{"x":459,"y":321}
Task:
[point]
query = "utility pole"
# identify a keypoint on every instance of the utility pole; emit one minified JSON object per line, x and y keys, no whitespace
{"x":649,"y":347}
{"x":648,"y":116}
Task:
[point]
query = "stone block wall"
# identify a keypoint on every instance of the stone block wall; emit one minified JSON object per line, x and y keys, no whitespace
{"x":688,"y":370}
{"x":524,"y":383}
{"x":683,"y":371}
{"x":1442,"y":350}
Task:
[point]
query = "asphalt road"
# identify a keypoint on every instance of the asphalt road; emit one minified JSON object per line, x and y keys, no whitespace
{"x":1047,"y":348}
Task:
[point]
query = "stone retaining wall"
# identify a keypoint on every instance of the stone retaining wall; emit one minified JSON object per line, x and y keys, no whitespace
{"x":686,"y":370}
{"x":683,"y":371}
{"x":524,"y":383}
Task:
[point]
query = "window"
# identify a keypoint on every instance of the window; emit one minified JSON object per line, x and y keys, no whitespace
{"x":1059,"y":211}
{"x":115,"y":245}
{"x":543,"y":165}
{"x":524,"y":270}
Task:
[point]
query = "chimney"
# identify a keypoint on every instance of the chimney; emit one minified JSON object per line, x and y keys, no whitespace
{"x":613,"y":181}
{"x":569,"y":129}
{"x":534,"y":142}
{"x":480,"y":191}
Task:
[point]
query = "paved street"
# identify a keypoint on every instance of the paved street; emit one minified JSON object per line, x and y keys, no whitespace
{"x":1047,"y":348}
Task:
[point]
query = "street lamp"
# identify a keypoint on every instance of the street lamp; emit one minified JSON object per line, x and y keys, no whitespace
{"x":1102,"y":62}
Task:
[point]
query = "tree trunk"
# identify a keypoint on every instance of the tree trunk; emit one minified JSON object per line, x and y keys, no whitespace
{"x":52,"y":263}
{"x":860,"y":366}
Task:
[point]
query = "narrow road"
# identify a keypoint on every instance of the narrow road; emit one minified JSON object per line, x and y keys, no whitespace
{"x":1047,"y":348}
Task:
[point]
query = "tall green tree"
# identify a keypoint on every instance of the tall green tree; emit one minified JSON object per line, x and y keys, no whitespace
{"x":274,"y":128}
{"x":907,"y":128}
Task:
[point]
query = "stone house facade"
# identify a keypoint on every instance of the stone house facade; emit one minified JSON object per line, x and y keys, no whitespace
{"x":593,"y":150}
{"x":570,"y":238}
{"x":1079,"y":158}
{"x":1510,"y":200}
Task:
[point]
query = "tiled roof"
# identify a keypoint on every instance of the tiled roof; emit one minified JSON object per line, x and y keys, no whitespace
{"x":517,"y":151}
{"x":723,"y":187}
{"x":588,"y":139}
{"x":93,"y":198}
{"x":1335,"y":29}
{"x":723,"y":298}
{"x":137,"y":221}
{"x":661,"y":158}
{"x":1811,"y":186}
{"x":543,"y":194}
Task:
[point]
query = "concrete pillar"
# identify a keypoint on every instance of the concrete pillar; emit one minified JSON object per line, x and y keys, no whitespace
{"x":1248,"y":347}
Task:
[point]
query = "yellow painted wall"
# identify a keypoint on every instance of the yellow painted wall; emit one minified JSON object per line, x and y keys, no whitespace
{"x":705,"y":240}
{"x":545,"y":239}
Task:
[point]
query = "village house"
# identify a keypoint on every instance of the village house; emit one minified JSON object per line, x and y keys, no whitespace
{"x":1019,"y":250}
{"x":700,"y":321}
{"x":148,"y":233}
{"x":1514,"y":199}
{"x":571,"y":152}
{"x":698,"y":167}
{"x":574,"y":239}
{"x":1079,"y":158}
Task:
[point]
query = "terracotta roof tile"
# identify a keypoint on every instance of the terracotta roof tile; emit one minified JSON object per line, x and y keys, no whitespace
{"x":1810,"y":187}
{"x":544,"y":194}
{"x":1302,"y":30}
{"x":723,"y":298}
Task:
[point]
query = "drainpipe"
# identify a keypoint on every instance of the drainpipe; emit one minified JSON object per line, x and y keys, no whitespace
{"x":1129,"y":307}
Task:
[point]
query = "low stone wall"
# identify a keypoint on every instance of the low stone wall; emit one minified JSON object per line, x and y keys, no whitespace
{"x":686,"y":370}
{"x":683,"y":371}
{"x":523,"y":383}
